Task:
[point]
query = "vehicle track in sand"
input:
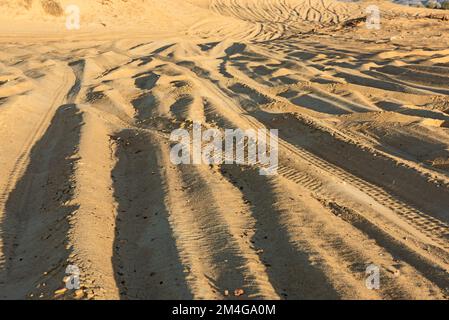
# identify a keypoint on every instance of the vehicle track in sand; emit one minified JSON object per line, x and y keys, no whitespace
{"x":21,"y":161}
{"x":361,"y":177}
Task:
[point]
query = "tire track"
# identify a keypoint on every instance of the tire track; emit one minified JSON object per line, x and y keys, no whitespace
{"x":433,"y":228}
{"x":38,"y":212}
{"x":22,"y":159}
{"x":146,"y":261}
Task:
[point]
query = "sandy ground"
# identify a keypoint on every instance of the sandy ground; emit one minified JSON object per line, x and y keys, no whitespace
{"x":86,"y":179}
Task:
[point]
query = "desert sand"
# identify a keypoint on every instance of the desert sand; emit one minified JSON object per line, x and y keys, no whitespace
{"x":86,"y":179}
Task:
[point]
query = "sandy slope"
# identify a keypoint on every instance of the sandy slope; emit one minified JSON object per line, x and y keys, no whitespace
{"x":85,"y":175}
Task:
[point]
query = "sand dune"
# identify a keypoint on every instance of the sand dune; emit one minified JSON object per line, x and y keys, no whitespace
{"x":86,"y":178}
